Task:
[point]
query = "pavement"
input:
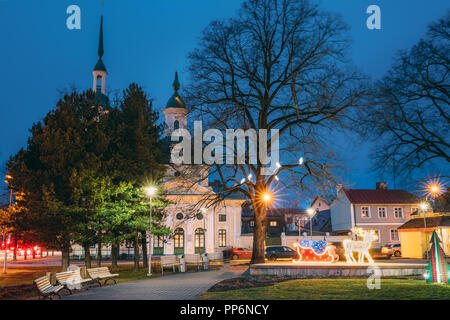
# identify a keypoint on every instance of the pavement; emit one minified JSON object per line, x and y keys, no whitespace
{"x":179,"y":286}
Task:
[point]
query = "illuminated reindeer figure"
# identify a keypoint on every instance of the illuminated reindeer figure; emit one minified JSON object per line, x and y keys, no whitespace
{"x":362,"y":247}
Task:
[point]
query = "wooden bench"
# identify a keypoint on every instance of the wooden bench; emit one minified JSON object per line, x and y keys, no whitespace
{"x":169,"y":261}
{"x":71,"y":280}
{"x":215,"y":256}
{"x":46,"y":289}
{"x":194,"y":259}
{"x":102,"y":273}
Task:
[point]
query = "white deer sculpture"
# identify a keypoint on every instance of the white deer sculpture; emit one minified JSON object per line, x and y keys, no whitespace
{"x":362,"y":247}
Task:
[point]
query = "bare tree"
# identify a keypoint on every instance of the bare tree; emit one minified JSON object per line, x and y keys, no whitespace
{"x":279,"y":64}
{"x":410,"y":122}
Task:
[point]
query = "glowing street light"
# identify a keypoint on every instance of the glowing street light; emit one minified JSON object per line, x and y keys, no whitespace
{"x":310,"y":212}
{"x":151,"y":192}
{"x":424,"y":208}
{"x":267,"y":197}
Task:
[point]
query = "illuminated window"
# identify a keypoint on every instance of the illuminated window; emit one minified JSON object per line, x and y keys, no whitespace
{"x":382,"y":212}
{"x":398,"y":212}
{"x":222,"y":238}
{"x":252,"y":223}
{"x":365,"y":213}
{"x":199,"y":240}
{"x":273,"y":223}
{"x":178,"y":239}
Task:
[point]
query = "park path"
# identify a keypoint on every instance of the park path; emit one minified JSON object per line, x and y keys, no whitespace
{"x":179,"y":286}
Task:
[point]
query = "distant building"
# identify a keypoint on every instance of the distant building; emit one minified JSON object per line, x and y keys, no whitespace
{"x":319,"y":204}
{"x":381,"y":210}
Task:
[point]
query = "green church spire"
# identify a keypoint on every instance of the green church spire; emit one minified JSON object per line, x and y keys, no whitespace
{"x":175,"y":101}
{"x":176,"y":83}
{"x":100,"y":40}
{"x":100,"y":66}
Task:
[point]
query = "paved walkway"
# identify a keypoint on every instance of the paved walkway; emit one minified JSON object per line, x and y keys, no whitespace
{"x":180,"y":286}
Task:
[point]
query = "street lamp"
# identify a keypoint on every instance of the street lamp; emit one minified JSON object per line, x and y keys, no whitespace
{"x":151,"y":192}
{"x":8,"y":177}
{"x":310,"y":212}
{"x":424,"y":207}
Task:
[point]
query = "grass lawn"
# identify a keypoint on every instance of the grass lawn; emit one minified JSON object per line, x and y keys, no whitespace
{"x":341,"y":289}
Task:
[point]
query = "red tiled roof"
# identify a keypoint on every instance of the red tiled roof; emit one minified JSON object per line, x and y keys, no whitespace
{"x":370,"y":196}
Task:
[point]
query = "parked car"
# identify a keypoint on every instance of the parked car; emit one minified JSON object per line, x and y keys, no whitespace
{"x":392,"y":249}
{"x":280,"y":252}
{"x":239,"y":253}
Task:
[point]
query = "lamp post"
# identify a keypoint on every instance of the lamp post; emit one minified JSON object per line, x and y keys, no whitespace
{"x":310,"y":212}
{"x":151,"y":192}
{"x":8,"y":177}
{"x":424,"y":207}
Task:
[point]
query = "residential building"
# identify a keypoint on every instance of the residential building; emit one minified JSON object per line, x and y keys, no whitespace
{"x":379,"y":209}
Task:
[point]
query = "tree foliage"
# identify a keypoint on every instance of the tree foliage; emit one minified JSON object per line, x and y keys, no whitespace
{"x":276,"y":65}
{"x":410,"y":120}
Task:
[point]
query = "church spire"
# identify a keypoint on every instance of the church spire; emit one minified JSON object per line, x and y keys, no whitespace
{"x":99,"y":73}
{"x":176,"y":83}
{"x":100,"y":40}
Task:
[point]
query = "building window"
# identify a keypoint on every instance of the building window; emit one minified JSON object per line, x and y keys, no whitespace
{"x":394,"y":235}
{"x":178,"y":239}
{"x":365,"y":213}
{"x":222,"y":217}
{"x":382,"y":212}
{"x":273,"y":223}
{"x":158,"y":241}
{"x":398,"y":212}
{"x":176,"y":125}
{"x":199,"y":240}
{"x":222,"y":238}
{"x":414,"y":210}
{"x":252,"y":223}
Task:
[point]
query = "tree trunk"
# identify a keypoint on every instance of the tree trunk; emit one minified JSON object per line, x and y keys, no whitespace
{"x":136,"y":254}
{"x":53,"y":253}
{"x":99,"y":255}
{"x":15,"y":249}
{"x":33,"y":253}
{"x":114,"y":254}
{"x":259,"y":234}
{"x":144,"y":250}
{"x":65,"y":258}
{"x":87,"y":256}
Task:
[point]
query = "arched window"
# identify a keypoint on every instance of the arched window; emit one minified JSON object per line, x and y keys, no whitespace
{"x":222,"y":238}
{"x":178,"y":239}
{"x":176,"y":125}
{"x":199,"y":240}
{"x":99,"y":83}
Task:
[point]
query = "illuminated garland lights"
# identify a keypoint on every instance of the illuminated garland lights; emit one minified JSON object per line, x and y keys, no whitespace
{"x":315,"y":251}
{"x":438,"y":270}
{"x":361,"y":247}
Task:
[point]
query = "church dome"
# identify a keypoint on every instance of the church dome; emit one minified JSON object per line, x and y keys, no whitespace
{"x":175,"y":100}
{"x":100,"y":66}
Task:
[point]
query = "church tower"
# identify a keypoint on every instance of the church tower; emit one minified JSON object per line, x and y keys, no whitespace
{"x":99,"y":74}
{"x":175,"y":112}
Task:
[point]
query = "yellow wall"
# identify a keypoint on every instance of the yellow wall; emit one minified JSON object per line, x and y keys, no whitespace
{"x":411,"y":243}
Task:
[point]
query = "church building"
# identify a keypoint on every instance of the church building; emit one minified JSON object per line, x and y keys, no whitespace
{"x":198,"y":226}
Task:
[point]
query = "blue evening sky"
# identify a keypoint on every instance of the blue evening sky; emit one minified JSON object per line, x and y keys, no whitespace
{"x":143,"y":38}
